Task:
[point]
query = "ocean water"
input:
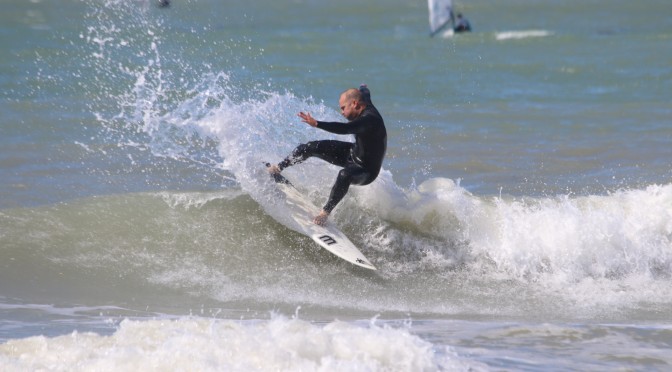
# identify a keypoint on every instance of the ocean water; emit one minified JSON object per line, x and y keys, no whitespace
{"x":523,"y":219}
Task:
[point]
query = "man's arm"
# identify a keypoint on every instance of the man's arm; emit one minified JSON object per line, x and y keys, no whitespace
{"x":357,"y":126}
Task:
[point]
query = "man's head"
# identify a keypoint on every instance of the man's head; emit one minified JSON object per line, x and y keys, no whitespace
{"x":351,"y":103}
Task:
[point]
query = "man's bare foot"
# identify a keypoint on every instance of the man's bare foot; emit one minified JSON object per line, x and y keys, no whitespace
{"x":321,"y":218}
{"x":273,"y":169}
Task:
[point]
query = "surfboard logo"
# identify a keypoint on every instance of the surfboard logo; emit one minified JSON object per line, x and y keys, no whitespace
{"x":328,"y":240}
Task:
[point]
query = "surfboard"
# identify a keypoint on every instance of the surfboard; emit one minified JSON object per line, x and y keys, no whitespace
{"x":329,"y":236}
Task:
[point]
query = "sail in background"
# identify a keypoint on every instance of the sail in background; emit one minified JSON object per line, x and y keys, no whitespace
{"x":440,"y":12}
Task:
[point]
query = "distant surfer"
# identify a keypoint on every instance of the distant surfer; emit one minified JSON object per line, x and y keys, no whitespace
{"x":441,"y":17}
{"x":461,"y":24}
{"x":361,"y":161}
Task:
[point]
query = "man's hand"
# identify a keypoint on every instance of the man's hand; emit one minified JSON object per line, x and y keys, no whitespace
{"x":321,"y":219}
{"x":306,"y":118}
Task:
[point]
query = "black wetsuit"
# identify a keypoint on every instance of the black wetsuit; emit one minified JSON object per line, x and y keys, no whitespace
{"x":462,"y":25}
{"x":361,"y":161}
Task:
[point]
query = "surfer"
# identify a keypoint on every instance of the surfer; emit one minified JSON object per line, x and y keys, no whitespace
{"x":462,"y":24}
{"x":361,"y":161}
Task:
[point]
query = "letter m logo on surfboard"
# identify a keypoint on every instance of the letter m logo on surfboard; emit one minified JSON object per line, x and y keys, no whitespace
{"x":328,"y":240}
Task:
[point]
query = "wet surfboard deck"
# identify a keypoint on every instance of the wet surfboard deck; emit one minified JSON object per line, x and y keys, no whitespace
{"x":329,"y":237}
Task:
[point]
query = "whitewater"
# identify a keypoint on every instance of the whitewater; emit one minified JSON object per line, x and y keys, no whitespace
{"x":522,"y":224}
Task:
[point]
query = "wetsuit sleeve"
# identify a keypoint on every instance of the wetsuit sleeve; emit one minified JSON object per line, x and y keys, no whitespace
{"x":356,"y":126}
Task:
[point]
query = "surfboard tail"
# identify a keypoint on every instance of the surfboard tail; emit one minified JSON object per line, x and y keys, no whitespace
{"x":343,"y":248}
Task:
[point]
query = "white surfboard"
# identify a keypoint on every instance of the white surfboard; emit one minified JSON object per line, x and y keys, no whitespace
{"x":329,"y":237}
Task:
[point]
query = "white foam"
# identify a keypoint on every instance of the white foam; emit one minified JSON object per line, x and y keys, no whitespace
{"x":617,"y":244}
{"x":197,"y":200}
{"x":199,"y":344}
{"x":611,"y":236}
{"x":508,"y":35}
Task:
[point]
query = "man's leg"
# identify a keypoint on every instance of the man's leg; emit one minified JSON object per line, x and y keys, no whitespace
{"x":352,"y":174}
{"x":334,"y":152}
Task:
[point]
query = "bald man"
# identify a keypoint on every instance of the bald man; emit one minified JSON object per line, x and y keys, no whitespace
{"x":361,"y":161}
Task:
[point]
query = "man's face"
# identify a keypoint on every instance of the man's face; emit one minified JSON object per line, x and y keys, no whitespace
{"x":349,"y":108}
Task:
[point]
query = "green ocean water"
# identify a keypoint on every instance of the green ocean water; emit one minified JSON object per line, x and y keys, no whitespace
{"x":522,"y":220}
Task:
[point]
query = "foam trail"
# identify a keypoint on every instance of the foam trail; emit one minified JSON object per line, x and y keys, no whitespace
{"x":516,"y":35}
